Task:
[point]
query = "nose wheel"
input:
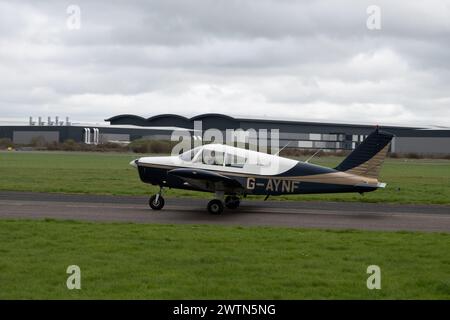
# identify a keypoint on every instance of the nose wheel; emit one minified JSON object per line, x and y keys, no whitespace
{"x":156,"y":201}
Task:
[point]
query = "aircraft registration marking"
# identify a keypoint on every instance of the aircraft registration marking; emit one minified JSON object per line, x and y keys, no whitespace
{"x":274,"y":185}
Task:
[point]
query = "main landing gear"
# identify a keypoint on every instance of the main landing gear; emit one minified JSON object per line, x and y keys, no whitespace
{"x":215,"y":206}
{"x":232,"y":202}
{"x":156,"y":201}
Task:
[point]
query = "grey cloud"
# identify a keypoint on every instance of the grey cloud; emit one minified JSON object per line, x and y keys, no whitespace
{"x":257,"y":56}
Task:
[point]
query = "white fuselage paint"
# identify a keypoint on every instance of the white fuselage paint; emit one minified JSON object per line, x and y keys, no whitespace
{"x":258,"y":163}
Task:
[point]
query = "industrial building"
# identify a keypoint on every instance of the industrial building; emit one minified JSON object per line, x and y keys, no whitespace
{"x":293,"y":134}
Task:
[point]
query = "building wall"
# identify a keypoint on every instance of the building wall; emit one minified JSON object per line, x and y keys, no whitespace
{"x":422,"y":145}
{"x":63,"y":132}
{"x":76,"y":133}
{"x":157,"y":137}
{"x":106,"y":137}
{"x":26,"y":137}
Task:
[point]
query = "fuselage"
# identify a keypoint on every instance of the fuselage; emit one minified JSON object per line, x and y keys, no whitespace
{"x":257,"y":173}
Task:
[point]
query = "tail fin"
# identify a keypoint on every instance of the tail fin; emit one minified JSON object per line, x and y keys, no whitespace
{"x":367,"y":158}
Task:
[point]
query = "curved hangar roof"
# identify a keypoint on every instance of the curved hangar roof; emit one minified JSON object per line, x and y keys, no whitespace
{"x":211,"y":120}
{"x":223,"y":122}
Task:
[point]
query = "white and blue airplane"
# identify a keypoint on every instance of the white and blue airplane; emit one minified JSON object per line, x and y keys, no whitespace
{"x":232,"y":173}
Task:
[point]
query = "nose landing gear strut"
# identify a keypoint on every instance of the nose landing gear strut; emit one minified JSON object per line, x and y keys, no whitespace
{"x":156,"y":201}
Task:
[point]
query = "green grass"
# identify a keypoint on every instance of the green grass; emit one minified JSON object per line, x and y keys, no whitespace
{"x":139,"y":261}
{"x":409,"y":181}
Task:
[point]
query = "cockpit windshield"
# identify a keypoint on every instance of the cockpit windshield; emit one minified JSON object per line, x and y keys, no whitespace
{"x":189,"y":155}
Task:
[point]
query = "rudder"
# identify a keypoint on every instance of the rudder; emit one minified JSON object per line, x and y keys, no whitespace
{"x":367,"y":158}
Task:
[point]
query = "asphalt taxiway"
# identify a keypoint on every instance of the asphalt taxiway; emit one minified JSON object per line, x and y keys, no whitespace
{"x":308,"y":214}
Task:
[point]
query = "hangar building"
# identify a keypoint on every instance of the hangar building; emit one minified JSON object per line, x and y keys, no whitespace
{"x":299,"y":134}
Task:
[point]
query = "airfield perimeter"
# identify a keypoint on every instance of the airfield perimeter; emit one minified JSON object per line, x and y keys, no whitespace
{"x":328,"y":215}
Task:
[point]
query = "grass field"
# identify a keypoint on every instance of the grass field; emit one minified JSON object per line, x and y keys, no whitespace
{"x":409,"y":181}
{"x":205,"y":262}
{"x":144,"y":261}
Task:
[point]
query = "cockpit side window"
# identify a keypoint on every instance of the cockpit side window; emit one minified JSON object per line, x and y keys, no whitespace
{"x":212,"y":157}
{"x":234,"y":161}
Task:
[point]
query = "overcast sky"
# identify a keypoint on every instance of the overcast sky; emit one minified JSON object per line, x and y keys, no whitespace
{"x":303,"y":60}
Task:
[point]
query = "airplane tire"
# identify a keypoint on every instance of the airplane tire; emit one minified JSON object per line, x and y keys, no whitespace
{"x":215,"y":206}
{"x":232,"y":202}
{"x":156,"y":205}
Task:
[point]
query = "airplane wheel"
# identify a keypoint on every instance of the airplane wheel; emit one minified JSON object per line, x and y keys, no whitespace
{"x":232,"y":202}
{"x":215,"y":206}
{"x":156,"y":204}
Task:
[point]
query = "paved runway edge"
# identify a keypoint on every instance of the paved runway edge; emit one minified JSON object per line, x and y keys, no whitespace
{"x":308,"y":214}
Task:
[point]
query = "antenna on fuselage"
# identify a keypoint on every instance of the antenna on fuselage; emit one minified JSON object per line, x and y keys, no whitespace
{"x":307,"y":161}
{"x":282,"y":148}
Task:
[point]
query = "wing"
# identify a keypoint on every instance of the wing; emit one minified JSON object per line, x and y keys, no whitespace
{"x":207,"y":180}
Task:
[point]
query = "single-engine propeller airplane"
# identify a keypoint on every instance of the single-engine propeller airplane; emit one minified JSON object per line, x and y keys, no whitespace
{"x":234,"y":173}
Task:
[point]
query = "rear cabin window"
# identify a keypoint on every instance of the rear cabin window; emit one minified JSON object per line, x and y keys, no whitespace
{"x":263,"y":162}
